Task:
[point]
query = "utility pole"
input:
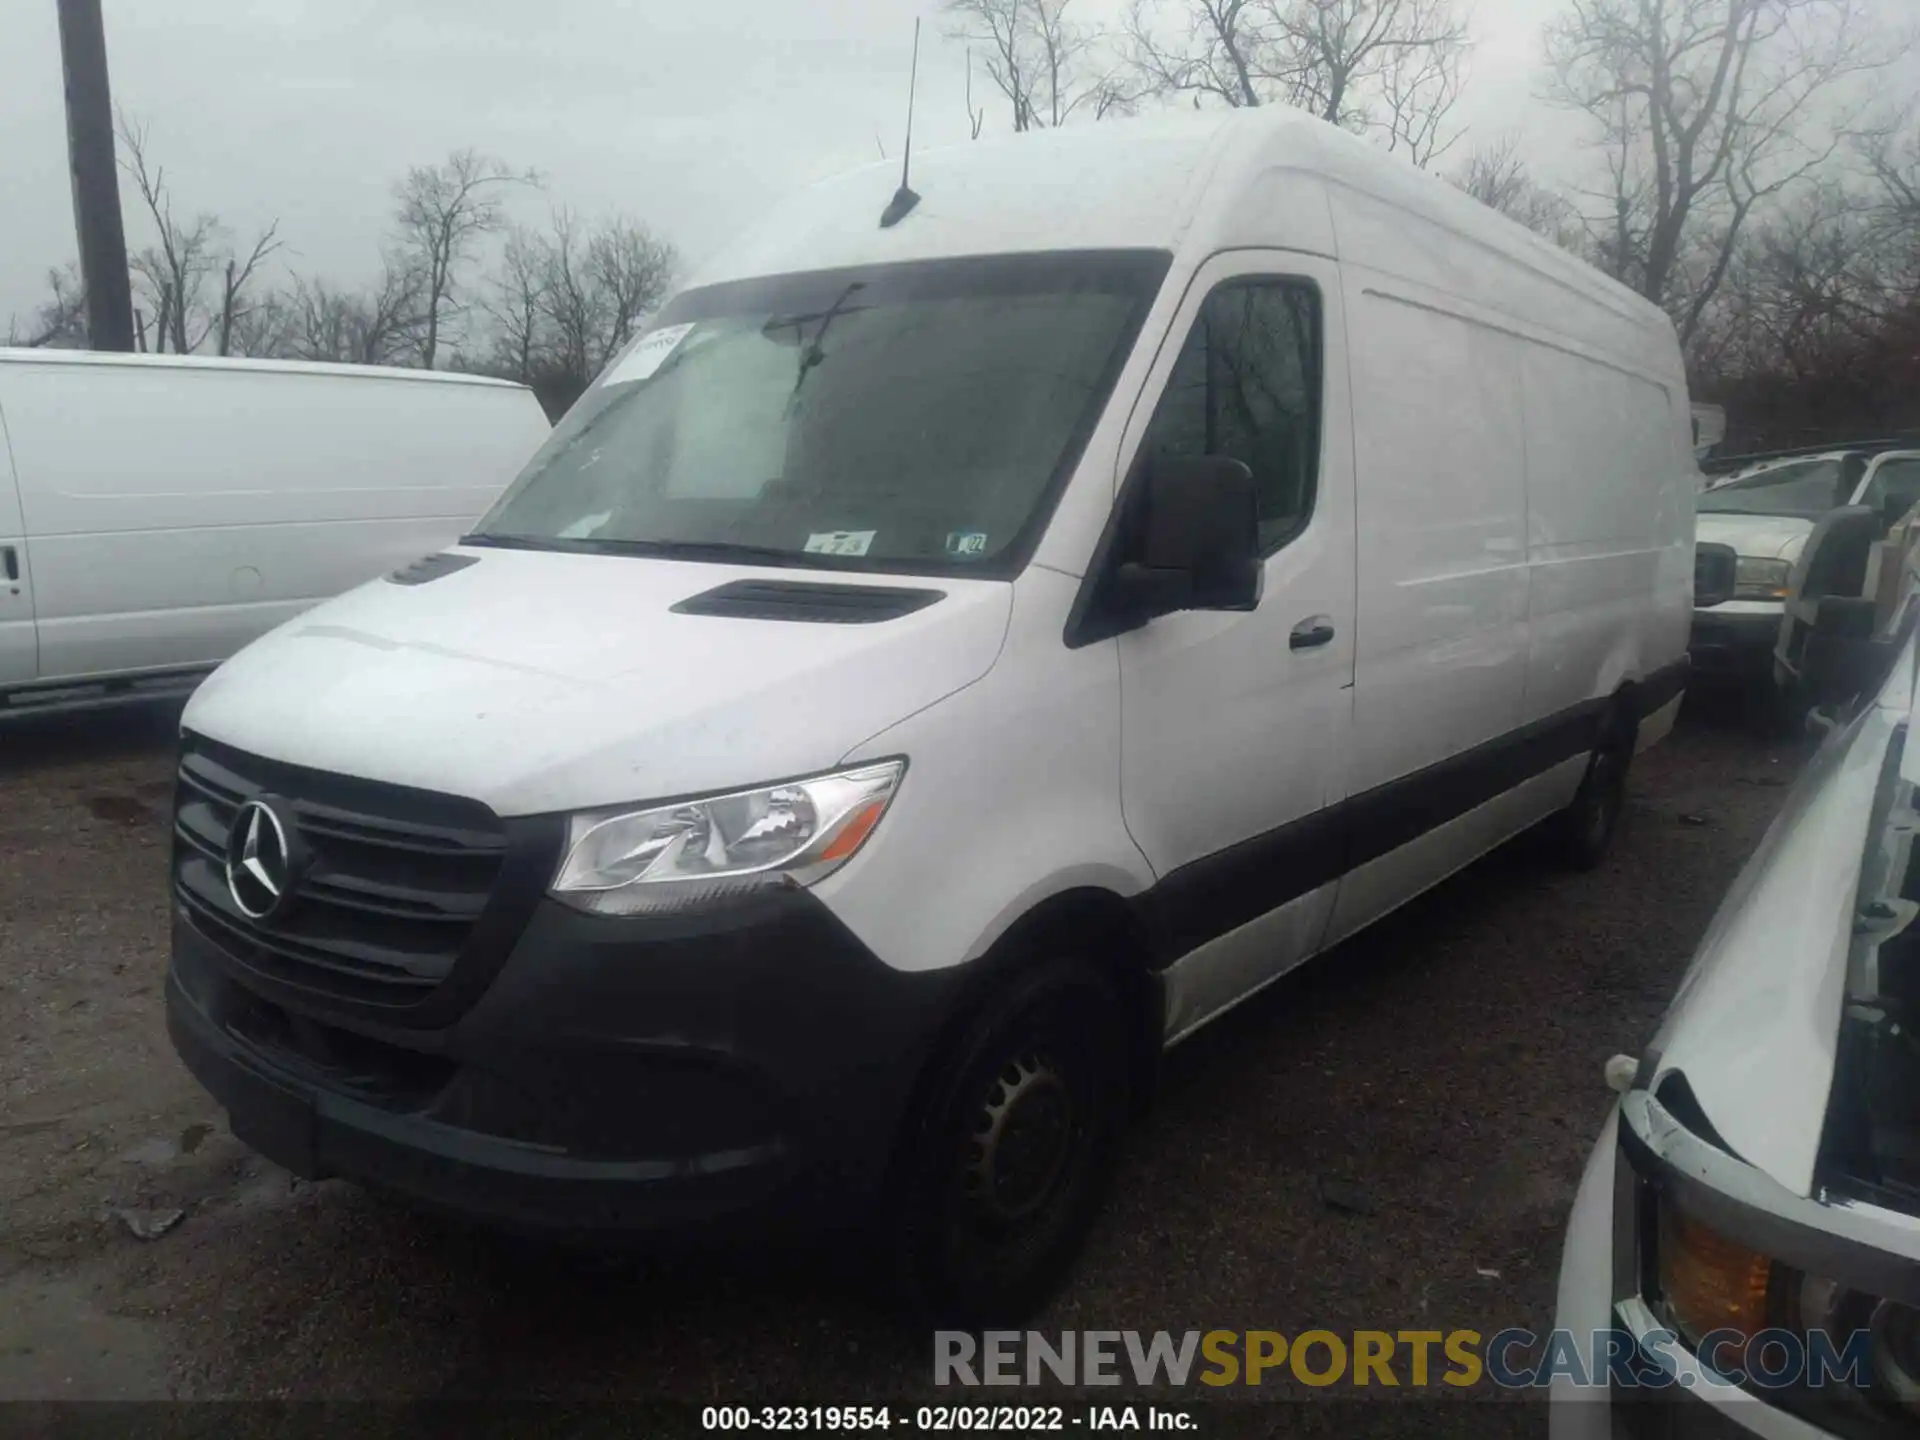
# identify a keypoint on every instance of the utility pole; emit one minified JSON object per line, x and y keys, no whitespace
{"x":96,"y":181}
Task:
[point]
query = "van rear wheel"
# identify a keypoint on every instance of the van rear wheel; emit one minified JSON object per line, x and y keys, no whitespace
{"x":1006,"y":1164}
{"x":1582,"y":833}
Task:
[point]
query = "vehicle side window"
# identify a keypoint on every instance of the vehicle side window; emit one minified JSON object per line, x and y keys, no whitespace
{"x":1896,"y":482}
{"x":1247,"y":385}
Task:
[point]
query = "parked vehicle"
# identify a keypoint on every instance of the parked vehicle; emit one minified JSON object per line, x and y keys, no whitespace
{"x":971,"y":643}
{"x":1765,"y":511}
{"x":157,"y":512}
{"x":1753,"y":1204}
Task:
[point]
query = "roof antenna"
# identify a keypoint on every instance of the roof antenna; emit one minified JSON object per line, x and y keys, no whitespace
{"x":904,"y":199}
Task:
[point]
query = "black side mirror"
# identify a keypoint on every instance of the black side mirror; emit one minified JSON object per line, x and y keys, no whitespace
{"x":1197,"y":540}
{"x":1844,"y":658}
{"x":1714,"y":576}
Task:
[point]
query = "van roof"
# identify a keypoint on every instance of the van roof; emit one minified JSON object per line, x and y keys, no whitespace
{"x":232,"y":362}
{"x":1193,"y":181}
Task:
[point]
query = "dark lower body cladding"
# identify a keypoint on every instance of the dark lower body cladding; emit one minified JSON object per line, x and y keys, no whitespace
{"x":693,"y":1073}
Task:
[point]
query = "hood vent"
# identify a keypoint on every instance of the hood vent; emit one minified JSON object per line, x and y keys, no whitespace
{"x":808,"y":602}
{"x":431,"y":567}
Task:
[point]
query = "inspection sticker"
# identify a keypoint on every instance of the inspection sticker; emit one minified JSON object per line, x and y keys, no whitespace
{"x":839,"y":542}
{"x":647,"y":354}
{"x":967,"y":542}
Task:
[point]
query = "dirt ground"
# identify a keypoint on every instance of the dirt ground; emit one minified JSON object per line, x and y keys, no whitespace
{"x":1446,"y":1068}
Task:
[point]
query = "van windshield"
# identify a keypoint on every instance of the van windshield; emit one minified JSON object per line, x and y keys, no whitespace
{"x":1806,"y":489}
{"x":918,"y":417}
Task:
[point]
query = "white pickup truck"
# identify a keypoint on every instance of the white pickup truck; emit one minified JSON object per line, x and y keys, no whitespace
{"x":1743,"y":1255}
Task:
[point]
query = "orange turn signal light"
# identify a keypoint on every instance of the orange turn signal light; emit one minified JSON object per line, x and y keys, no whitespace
{"x":1710,"y":1282}
{"x":854,"y":831}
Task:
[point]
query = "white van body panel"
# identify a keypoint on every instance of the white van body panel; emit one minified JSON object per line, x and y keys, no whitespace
{"x":1382,"y":886}
{"x":537,"y":682}
{"x":1005,"y":823}
{"x":1443,"y":566}
{"x":176,"y":508}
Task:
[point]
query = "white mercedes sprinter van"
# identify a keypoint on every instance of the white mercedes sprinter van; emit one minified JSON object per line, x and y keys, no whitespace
{"x":157,"y":512}
{"x":945,"y":661}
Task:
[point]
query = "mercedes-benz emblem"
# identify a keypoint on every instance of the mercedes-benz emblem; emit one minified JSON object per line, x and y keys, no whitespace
{"x":261,"y":869}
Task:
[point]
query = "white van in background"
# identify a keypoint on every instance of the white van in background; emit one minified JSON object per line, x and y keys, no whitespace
{"x":974,"y":640}
{"x":157,"y":512}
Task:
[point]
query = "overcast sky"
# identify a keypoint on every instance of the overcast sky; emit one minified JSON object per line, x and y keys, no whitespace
{"x":689,"y":115}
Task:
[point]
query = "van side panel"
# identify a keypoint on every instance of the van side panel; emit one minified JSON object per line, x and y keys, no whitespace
{"x":1596,"y":473}
{"x":177,"y":514}
{"x":1441,"y":482}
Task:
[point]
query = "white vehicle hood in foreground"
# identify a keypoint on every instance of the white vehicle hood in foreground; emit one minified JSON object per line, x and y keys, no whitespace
{"x":1754,"y":1027}
{"x":1764,"y":537}
{"x":539,"y":682}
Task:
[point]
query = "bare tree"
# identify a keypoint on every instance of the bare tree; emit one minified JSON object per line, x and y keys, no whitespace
{"x":1217,"y":52}
{"x":265,"y":327}
{"x":235,"y":306}
{"x":61,"y":321}
{"x":1497,"y":176}
{"x":1341,"y":59}
{"x":1392,"y":68}
{"x":187,"y":258}
{"x":630,"y":270}
{"x":174,"y":270}
{"x":1705,"y":110}
{"x":516,"y":303}
{"x":597,"y":285}
{"x":1048,"y":67}
{"x":1419,"y":86}
{"x":443,"y":211}
{"x":572,"y":309}
{"x":380,"y":326}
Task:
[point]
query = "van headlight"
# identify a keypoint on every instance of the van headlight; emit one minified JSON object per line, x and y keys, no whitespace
{"x":1755,"y":579}
{"x":696,"y":852}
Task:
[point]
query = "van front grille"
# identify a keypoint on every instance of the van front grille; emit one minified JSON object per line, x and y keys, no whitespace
{"x":385,"y":902}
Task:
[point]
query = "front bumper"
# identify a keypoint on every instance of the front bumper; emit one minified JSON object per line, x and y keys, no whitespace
{"x":1735,"y":642}
{"x":616,"y":1075}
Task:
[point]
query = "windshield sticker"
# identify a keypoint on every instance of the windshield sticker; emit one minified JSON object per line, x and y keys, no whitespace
{"x":647,"y":355}
{"x":966,"y":542}
{"x":586,"y":526}
{"x":839,"y":542}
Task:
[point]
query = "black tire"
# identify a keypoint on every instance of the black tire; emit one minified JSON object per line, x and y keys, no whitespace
{"x":1581,"y":834}
{"x":1008,"y":1160}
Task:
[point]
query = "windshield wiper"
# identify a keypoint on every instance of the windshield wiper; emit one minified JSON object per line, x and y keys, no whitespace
{"x":814,"y":353}
{"x":658,"y":549}
{"x":509,"y":542}
{"x":692,"y":549}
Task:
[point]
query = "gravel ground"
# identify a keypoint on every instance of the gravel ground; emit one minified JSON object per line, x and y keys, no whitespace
{"x":1446,"y":1067}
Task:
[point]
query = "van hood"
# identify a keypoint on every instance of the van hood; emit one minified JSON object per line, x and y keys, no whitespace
{"x":1763,"y":537}
{"x":539,"y":682}
{"x":1754,"y":1028}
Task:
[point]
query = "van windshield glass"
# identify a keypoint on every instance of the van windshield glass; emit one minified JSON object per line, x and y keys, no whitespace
{"x":1806,"y":488}
{"x":915,"y":417}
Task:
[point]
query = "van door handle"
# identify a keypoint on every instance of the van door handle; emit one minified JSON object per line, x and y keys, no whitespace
{"x":10,"y":561}
{"x":1311,"y":633}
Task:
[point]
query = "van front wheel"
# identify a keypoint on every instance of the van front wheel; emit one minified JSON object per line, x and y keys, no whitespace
{"x":1007,"y":1163}
{"x":1582,"y":833}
